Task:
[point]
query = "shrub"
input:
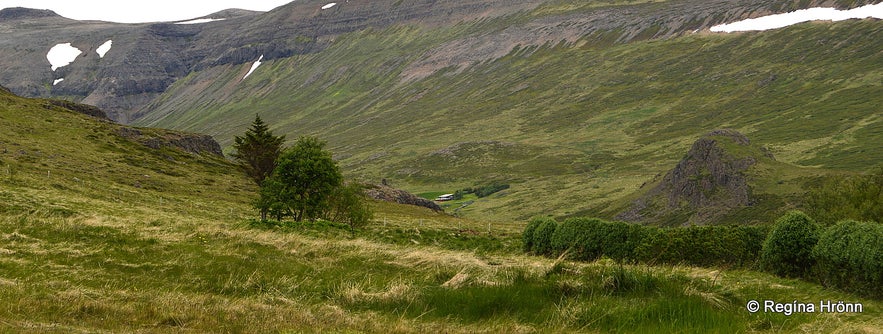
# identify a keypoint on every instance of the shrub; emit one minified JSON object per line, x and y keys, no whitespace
{"x":857,"y":197}
{"x":787,"y":250}
{"x":542,"y":236}
{"x":614,"y":244}
{"x":849,"y":255}
{"x":581,"y":235}
{"x":527,"y":235}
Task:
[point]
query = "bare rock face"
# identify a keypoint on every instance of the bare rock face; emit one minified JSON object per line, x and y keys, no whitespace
{"x":84,"y":109}
{"x":389,"y":194}
{"x":709,"y":182}
{"x":187,"y":142}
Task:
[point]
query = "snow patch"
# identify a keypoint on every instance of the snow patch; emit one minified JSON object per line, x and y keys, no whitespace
{"x":329,"y":5}
{"x":62,"y":55}
{"x":804,"y":15}
{"x":254,"y":67}
{"x":102,"y":50}
{"x":57,"y":81}
{"x":198,"y":21}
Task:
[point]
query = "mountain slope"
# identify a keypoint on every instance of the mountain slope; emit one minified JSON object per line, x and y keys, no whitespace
{"x":575,"y":104}
{"x":147,"y":58}
{"x":571,"y":124}
{"x":59,"y":162}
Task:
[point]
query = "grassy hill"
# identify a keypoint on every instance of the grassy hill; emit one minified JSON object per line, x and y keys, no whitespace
{"x":571,"y":125}
{"x":99,"y":233}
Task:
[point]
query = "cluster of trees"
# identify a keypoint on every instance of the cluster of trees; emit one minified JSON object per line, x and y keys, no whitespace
{"x":481,"y":191}
{"x":302,"y":182}
{"x":848,"y":255}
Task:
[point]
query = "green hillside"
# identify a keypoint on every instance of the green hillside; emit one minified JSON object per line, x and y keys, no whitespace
{"x":99,"y":233}
{"x":570,"y":125}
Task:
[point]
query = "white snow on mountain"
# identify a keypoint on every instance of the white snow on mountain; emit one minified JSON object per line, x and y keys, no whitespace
{"x":804,"y":15}
{"x":329,"y":5}
{"x":254,"y":67}
{"x":198,"y":21}
{"x":62,"y":55}
{"x":102,"y":50}
{"x":57,"y":81}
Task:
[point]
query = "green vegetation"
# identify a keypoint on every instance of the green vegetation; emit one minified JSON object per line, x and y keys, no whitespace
{"x":306,"y":184}
{"x":787,"y":251}
{"x":114,"y":236}
{"x":857,"y":197}
{"x":256,"y":153}
{"x":570,"y":126}
{"x":481,"y":191}
{"x":588,"y":239}
{"x":302,"y":183}
{"x":850,"y":256}
{"x":847,"y":255}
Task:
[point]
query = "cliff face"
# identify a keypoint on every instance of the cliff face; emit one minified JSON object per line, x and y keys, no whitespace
{"x":389,"y":194}
{"x":709,"y":182}
{"x":187,"y":142}
{"x":146,"y":59}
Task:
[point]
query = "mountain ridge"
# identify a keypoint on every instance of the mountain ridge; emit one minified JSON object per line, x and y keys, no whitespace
{"x":125,"y":83}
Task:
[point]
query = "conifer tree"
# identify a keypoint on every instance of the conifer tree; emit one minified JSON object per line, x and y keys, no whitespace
{"x":256,"y":153}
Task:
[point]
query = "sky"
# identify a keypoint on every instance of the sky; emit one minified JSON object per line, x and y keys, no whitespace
{"x":140,"y":11}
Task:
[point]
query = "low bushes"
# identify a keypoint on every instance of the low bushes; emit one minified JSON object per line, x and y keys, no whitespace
{"x":587,"y":239}
{"x":848,"y":255}
{"x":788,"y":249}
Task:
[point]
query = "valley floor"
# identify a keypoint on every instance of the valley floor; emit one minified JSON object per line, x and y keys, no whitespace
{"x":189,"y":268}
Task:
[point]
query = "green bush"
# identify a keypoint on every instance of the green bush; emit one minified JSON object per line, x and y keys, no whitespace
{"x":614,"y":243}
{"x":849,"y":255}
{"x":787,"y":250}
{"x":703,"y":245}
{"x":527,"y":235}
{"x":542,"y":236}
{"x":858,"y":197}
{"x":580,"y":235}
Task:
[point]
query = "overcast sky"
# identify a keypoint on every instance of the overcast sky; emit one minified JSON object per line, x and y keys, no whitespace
{"x":140,"y":11}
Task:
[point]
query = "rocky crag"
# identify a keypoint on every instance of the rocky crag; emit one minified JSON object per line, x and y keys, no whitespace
{"x":709,"y":182}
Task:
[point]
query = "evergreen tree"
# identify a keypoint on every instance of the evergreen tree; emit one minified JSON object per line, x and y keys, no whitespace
{"x":256,"y":153}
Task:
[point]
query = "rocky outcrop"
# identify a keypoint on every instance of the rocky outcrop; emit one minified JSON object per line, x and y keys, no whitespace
{"x":390,"y":194}
{"x":19,"y":13}
{"x":84,"y":109}
{"x":710,"y":181}
{"x":187,"y":142}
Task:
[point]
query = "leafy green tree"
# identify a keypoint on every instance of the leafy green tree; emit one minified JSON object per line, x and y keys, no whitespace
{"x":304,"y":180}
{"x":257,"y":151}
{"x":349,"y":205}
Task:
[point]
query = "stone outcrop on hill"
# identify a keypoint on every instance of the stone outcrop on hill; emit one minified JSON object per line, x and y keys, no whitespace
{"x":84,"y":109}
{"x":710,"y":181}
{"x":187,"y":142}
{"x":390,"y":194}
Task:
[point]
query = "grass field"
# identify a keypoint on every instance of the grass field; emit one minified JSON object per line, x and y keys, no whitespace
{"x":90,"y":243}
